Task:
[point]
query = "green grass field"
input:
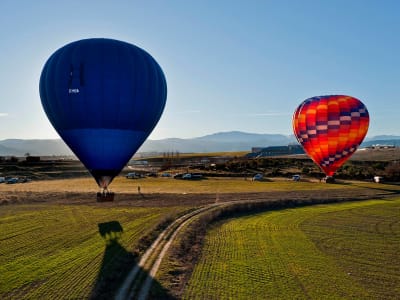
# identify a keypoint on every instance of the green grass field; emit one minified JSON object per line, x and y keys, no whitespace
{"x":336,"y":251}
{"x":55,"y":251}
{"x":59,"y":252}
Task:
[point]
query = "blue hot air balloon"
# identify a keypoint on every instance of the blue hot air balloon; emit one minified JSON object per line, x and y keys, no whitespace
{"x":104,"y":97}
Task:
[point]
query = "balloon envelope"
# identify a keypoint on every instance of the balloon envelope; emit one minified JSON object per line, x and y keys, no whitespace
{"x":330,"y":129}
{"x":104,"y":97}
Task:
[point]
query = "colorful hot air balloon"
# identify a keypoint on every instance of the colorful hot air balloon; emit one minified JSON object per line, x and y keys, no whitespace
{"x":104,"y":97}
{"x":330,"y":128}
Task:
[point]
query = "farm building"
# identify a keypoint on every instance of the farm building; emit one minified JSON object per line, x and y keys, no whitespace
{"x":275,"y":151}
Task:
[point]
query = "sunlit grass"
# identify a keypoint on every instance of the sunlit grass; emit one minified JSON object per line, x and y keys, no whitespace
{"x":56,"y":251}
{"x":335,"y":251}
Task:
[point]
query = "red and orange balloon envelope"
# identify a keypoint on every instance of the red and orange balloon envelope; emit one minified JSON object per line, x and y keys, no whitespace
{"x":330,"y":129}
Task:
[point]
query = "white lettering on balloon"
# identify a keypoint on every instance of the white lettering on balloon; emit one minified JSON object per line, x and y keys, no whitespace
{"x":73,"y":91}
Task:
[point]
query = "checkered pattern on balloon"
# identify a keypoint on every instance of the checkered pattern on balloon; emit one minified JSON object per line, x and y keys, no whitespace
{"x":330,"y":129}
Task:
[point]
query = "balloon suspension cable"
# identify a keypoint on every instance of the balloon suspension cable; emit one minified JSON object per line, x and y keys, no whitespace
{"x":105,"y":191}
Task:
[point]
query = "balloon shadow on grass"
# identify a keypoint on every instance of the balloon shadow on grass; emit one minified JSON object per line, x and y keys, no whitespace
{"x":116,"y":264}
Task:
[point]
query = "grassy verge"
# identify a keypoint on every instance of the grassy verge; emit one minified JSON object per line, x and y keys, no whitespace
{"x":72,"y":251}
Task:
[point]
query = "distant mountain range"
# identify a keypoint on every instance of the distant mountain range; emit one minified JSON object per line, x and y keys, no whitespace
{"x":217,"y":142}
{"x":222,"y":141}
{"x":382,"y":140}
{"x":19,"y":147}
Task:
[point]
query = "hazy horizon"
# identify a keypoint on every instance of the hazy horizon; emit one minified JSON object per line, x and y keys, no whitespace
{"x":368,"y":136}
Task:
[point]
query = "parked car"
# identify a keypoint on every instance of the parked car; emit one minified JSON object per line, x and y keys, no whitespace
{"x":165,"y":175}
{"x":197,"y":176}
{"x":2,"y":179}
{"x":24,"y":179}
{"x":192,"y":176}
{"x":132,"y":175}
{"x":187,"y":176}
{"x":257,"y":177}
{"x":296,"y":177}
{"x":12,"y":180}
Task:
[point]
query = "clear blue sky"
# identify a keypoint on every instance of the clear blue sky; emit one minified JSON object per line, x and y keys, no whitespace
{"x":230,"y":65}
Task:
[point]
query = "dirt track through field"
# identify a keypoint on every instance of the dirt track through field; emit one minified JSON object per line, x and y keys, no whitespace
{"x":138,"y":286}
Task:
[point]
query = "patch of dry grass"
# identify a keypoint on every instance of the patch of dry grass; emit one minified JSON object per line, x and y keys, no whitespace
{"x":175,"y":186}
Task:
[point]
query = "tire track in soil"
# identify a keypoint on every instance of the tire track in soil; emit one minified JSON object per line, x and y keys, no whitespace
{"x":138,"y":282}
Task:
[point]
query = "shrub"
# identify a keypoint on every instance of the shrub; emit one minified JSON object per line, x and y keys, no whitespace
{"x":392,"y":171}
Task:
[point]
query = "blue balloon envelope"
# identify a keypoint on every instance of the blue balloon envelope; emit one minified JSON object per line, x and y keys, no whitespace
{"x":104,"y":97}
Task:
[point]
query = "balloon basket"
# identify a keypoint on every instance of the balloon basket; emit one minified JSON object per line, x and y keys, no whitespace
{"x":105,"y":197}
{"x":329,"y":179}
